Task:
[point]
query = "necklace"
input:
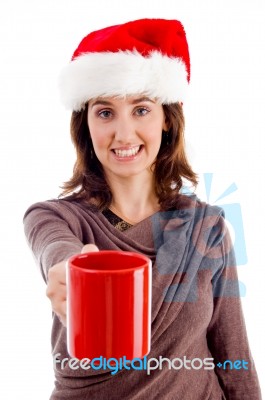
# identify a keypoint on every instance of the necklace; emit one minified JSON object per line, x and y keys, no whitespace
{"x":119,"y":214}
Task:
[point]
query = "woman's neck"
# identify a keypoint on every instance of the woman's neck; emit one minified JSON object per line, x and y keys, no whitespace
{"x":133,"y":199}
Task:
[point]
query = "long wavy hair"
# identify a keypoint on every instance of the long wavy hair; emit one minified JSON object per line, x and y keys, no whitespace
{"x":170,"y":168}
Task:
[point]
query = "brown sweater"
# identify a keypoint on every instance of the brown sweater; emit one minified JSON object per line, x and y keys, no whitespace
{"x":196,"y":309}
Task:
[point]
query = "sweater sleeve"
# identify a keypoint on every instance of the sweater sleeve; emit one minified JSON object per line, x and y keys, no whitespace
{"x":51,"y":234}
{"x":227,"y":335}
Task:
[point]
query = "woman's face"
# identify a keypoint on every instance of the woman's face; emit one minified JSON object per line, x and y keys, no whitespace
{"x":126,"y":133}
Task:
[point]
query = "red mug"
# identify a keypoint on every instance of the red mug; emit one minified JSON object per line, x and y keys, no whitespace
{"x":109,"y":305}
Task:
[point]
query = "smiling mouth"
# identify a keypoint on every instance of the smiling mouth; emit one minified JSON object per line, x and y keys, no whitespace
{"x":127,"y":152}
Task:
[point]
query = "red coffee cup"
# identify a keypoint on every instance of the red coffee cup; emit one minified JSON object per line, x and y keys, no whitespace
{"x":109,"y":305}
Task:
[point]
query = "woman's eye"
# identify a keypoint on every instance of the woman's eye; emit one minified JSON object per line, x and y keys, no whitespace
{"x":142,"y":111}
{"x":105,"y":114}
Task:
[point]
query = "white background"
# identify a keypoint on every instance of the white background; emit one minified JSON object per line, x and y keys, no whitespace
{"x":225,"y":128}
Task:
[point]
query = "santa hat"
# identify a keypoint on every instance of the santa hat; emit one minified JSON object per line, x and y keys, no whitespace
{"x":146,"y":56}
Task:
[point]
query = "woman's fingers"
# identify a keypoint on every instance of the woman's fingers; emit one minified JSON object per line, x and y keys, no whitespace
{"x":56,"y":286}
{"x":89,"y":248}
{"x":56,"y":289}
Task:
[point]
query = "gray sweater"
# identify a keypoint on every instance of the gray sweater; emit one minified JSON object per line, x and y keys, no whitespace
{"x":196,"y":308}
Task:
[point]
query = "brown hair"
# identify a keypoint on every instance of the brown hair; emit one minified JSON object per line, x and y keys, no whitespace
{"x":170,"y":168}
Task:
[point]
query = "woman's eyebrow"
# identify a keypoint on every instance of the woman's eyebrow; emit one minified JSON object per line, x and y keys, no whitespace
{"x":102,"y":102}
{"x":140,"y":99}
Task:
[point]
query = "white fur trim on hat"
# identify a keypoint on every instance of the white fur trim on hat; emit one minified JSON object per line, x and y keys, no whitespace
{"x":109,"y":74}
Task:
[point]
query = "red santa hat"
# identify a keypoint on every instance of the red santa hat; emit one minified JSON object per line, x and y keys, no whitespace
{"x":146,"y":56}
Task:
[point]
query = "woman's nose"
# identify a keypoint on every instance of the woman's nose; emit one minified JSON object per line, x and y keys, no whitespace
{"x":124,"y":131}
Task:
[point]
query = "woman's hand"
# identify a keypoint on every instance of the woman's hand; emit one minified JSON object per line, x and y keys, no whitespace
{"x":56,"y":287}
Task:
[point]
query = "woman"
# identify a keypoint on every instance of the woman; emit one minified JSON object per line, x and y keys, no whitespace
{"x":126,"y":85}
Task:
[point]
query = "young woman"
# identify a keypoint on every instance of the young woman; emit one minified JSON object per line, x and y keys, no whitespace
{"x":126,"y":85}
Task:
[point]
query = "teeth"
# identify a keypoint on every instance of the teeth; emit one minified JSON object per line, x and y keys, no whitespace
{"x":127,"y":153}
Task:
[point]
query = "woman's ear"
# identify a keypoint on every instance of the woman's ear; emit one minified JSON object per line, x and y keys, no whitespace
{"x":166,"y":125}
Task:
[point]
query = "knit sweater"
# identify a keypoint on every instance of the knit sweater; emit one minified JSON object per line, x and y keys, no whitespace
{"x":196,"y":309}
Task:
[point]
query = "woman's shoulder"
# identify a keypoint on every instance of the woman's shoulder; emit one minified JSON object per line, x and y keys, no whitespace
{"x":61,"y":206}
{"x":192,"y":205}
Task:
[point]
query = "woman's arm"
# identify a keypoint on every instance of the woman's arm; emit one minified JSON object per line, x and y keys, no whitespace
{"x":227,"y":335}
{"x":50,"y":236}
{"x":52,"y":242}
